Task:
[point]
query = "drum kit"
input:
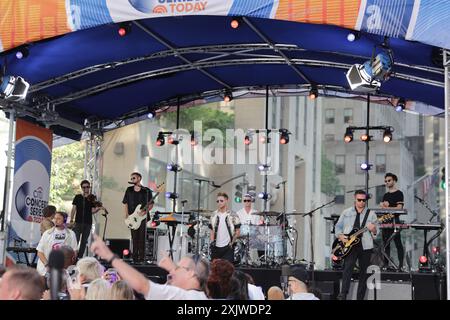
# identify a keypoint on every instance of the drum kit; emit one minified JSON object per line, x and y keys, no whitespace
{"x":257,"y":245}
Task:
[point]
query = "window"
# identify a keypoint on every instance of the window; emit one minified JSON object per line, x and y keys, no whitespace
{"x":329,"y":116}
{"x":340,"y":195}
{"x":348,"y":115}
{"x":339,"y":164}
{"x":329,"y":137}
{"x":359,"y":159}
{"x":380,"y":163}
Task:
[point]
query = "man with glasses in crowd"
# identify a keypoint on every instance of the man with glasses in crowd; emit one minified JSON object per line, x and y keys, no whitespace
{"x":81,"y":216}
{"x":225,"y":229}
{"x":135,"y":195}
{"x":356,"y":217}
{"x":392,"y":199}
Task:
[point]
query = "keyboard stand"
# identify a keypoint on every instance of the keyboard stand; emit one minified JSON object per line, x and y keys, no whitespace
{"x":385,"y":245}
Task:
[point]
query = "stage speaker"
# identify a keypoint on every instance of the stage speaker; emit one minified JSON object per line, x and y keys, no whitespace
{"x":429,"y":286}
{"x":389,"y":290}
{"x":118,"y":245}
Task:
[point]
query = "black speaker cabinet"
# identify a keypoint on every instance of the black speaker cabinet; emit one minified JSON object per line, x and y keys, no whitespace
{"x":118,"y":245}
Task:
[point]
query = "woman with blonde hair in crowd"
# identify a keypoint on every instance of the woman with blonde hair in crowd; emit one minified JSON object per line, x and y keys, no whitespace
{"x":120,"y":290}
{"x":99,"y":289}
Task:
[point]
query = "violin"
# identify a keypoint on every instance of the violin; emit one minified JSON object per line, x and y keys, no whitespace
{"x":93,"y":200}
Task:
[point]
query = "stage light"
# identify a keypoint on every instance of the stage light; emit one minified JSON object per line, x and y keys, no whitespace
{"x":13,"y":88}
{"x":368,"y":76}
{"x":171,"y":195}
{"x":160,"y":140}
{"x":313,"y":93}
{"x":22,"y":52}
{"x":171,"y":140}
{"x":352,"y":36}
{"x":228,"y":96}
{"x":124,"y":29}
{"x":284,"y":136}
{"x":262,"y":138}
{"x":387,"y":135}
{"x":365,"y":137}
{"x":365,"y":166}
{"x":151,"y":115}
{"x":194,"y":140}
{"x":435,"y":250}
{"x":263,"y":167}
{"x":173,"y":167}
{"x":423,"y":259}
{"x":126,"y":254}
{"x":264,"y":196}
{"x":401,"y":105}
{"x":348,"y":136}
{"x":235,"y":23}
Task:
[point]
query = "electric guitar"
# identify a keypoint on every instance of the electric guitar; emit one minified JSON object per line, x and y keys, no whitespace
{"x":341,"y":249}
{"x":133,"y":221}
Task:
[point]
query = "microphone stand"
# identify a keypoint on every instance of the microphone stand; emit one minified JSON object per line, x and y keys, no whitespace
{"x":282,"y":217}
{"x":310,"y":214}
{"x":197,"y":216}
{"x":106,"y":222}
{"x":433,"y":212}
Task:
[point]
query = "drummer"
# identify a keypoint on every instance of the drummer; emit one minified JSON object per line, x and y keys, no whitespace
{"x":247,"y":215}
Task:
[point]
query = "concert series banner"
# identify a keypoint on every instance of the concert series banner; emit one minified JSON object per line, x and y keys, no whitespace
{"x":32,"y":163}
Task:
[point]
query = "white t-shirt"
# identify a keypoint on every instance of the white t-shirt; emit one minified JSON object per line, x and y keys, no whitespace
{"x":168,"y":292}
{"x":303,"y":296}
{"x":54,"y":239}
{"x":255,"y":293}
{"x":248,"y":219}
{"x":223,"y":236}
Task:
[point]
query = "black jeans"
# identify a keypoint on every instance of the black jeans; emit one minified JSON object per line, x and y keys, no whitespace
{"x":386,"y":233}
{"x":363,"y":257}
{"x":82,"y":230}
{"x":226,"y":253}
{"x":138,"y":237}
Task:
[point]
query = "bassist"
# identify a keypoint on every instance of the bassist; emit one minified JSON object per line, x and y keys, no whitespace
{"x":135,"y":195}
{"x":356,"y":217}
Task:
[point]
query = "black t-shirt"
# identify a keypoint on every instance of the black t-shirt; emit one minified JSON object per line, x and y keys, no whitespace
{"x":133,"y":198}
{"x":84,"y":209}
{"x":394,"y":198}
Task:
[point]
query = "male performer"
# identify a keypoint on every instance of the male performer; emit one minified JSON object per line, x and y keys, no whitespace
{"x":356,"y":217}
{"x":81,"y":214}
{"x":393,"y":198}
{"x":135,"y":195}
{"x":247,"y":214}
{"x":224,"y":225}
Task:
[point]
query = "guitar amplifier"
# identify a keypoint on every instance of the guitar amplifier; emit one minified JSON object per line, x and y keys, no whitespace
{"x":118,"y":245}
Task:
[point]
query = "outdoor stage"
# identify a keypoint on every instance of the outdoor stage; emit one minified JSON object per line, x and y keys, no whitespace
{"x":394,"y":285}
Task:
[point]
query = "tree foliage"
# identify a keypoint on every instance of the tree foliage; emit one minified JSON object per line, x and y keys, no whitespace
{"x":67,"y":173}
{"x":329,"y":184}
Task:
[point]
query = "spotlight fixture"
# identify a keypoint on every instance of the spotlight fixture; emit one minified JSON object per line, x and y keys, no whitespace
{"x":13,"y":88}
{"x":124,"y":29}
{"x":365,"y":166}
{"x":387,"y":135}
{"x":228,"y":96}
{"x":235,"y":23}
{"x":263,"y":138}
{"x":22,"y":52}
{"x":171,"y":140}
{"x":401,"y":105}
{"x":151,"y":115}
{"x":367,"y":77}
{"x":365,"y":137}
{"x":173,"y":167}
{"x":264,"y":196}
{"x":348,"y":137}
{"x":263,"y":167}
{"x":171,"y":195}
{"x":284,"y":136}
{"x":352,"y":36}
{"x":313,"y":93}
{"x":160,"y":139}
{"x":248,"y":139}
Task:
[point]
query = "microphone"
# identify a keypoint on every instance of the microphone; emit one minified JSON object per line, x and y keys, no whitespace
{"x":279,"y":184}
{"x":213,"y":184}
{"x":285,"y":273}
{"x":184,"y":201}
{"x":56,"y":265}
{"x":130,"y":182}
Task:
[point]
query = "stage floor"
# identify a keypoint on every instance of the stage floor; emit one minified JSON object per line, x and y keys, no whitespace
{"x":393,"y":285}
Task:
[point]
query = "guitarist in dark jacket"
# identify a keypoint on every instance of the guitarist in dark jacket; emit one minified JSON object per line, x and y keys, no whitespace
{"x":135,"y":195}
{"x":356,"y":217}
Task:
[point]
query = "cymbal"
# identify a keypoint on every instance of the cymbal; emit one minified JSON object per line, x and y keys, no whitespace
{"x":206,"y":212}
{"x":268,"y":213}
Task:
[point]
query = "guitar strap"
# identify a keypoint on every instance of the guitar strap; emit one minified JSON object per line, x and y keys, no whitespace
{"x":365,"y":219}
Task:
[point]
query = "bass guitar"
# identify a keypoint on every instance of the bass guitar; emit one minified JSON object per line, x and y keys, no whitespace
{"x":341,"y":249}
{"x":133,"y":221}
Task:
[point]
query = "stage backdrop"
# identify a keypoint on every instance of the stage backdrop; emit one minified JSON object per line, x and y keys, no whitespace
{"x":31,"y":183}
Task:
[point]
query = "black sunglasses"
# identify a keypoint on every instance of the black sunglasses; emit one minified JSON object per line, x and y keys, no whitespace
{"x":88,"y":187}
{"x":361,"y":200}
{"x":220,"y":201}
{"x":247,"y":200}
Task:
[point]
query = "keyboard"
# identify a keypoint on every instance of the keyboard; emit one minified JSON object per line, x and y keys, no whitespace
{"x":383,"y":211}
{"x":22,"y":249}
{"x":175,"y":218}
{"x":426,"y":226}
{"x":394,"y":225}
